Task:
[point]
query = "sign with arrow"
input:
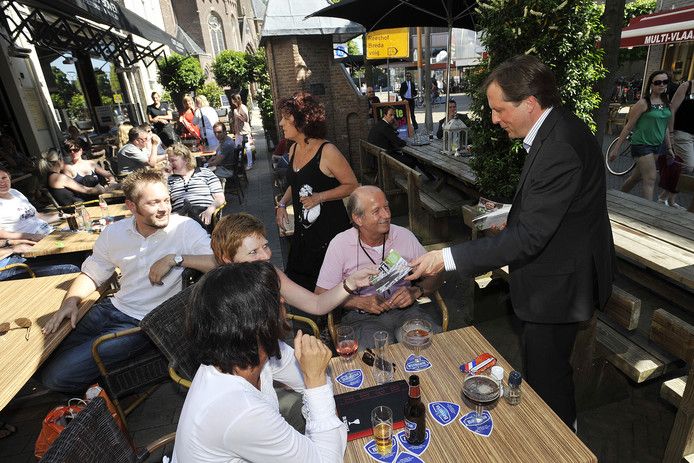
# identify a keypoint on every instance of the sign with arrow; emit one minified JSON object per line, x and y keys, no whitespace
{"x":388,"y":43}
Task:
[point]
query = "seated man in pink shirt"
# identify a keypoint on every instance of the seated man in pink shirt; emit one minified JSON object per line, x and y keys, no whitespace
{"x":368,"y":242}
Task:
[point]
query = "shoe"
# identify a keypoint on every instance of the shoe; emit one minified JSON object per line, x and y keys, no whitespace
{"x":675,"y":205}
{"x":249,"y":167}
{"x":662,"y":200}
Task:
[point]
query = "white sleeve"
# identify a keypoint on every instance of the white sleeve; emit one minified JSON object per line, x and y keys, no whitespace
{"x":286,"y":370}
{"x":261,"y":434}
{"x":98,"y":266}
{"x":197,"y":241}
{"x":448,"y":262}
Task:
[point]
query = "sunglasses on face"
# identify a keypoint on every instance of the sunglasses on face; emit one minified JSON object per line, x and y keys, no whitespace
{"x":661,"y":82}
{"x":218,"y":133}
{"x":74,"y":150}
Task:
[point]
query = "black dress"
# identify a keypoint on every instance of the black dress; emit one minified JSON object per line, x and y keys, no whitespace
{"x":313,"y":228}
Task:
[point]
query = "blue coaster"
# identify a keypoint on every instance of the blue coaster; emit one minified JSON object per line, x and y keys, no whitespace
{"x":370,"y":448}
{"x":413,"y":364}
{"x":405,"y":457}
{"x":484,"y":428}
{"x":352,"y":379}
{"x":415,"y":449}
{"x":444,"y":412}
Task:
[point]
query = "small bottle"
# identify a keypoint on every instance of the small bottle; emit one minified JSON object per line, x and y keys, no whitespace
{"x":106,"y":218}
{"x":513,"y":395}
{"x":415,"y":414}
{"x":498,"y":375}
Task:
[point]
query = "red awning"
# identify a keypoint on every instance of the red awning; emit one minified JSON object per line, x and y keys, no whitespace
{"x":669,"y":26}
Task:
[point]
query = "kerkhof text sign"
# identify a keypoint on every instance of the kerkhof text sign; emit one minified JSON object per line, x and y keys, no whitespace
{"x":388,"y":43}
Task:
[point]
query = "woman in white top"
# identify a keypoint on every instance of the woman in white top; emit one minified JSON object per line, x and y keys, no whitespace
{"x":242,"y":129}
{"x":205,"y":118}
{"x":231,"y":412}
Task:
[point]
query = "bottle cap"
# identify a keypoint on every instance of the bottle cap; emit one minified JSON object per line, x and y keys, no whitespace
{"x":498,"y":372}
{"x":414,"y":380}
{"x":515,"y":379}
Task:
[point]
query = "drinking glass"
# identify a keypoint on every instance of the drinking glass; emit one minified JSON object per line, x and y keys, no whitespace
{"x":383,"y":368}
{"x":382,"y":423}
{"x":417,"y":334}
{"x":482,"y":390}
{"x":347,"y":344}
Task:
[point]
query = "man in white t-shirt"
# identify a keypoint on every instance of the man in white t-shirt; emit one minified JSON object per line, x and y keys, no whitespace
{"x":368,"y":242}
{"x":140,"y":151}
{"x":133,"y":245}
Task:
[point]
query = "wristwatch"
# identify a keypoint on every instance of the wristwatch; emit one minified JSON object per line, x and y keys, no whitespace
{"x":7,"y":244}
{"x":178,"y":260}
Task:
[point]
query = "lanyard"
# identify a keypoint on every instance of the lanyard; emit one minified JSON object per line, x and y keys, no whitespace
{"x":383,"y":250}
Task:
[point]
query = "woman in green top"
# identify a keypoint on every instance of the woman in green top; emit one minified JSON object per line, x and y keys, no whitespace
{"x":648,"y":119}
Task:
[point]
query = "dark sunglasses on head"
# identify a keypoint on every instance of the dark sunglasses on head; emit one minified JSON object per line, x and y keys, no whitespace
{"x":661,"y":82}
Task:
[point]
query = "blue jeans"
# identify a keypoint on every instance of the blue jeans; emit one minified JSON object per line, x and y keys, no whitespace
{"x":40,"y":269}
{"x":71,"y":367}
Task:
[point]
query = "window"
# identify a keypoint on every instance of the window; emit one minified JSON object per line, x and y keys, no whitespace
{"x":216,"y":34}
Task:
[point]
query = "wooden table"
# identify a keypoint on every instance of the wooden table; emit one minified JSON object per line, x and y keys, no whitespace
{"x":654,"y":235}
{"x":63,"y":241}
{"x":457,"y":167}
{"x":36,"y":299}
{"x":528,"y":432}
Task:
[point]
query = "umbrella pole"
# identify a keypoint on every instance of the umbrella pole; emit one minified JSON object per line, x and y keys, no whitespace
{"x":388,"y":77}
{"x":448,"y":69}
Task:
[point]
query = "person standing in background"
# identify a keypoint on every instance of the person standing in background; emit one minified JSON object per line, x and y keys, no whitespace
{"x":408,"y":90}
{"x":242,"y":129}
{"x":205,"y":118}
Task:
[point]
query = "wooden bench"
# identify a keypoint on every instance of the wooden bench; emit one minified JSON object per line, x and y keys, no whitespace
{"x":677,"y":337}
{"x":685,"y":184}
{"x":426,"y":207}
{"x":369,"y":163}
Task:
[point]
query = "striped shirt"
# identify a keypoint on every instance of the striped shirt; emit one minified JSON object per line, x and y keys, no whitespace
{"x":530,"y":137}
{"x":198,"y":191}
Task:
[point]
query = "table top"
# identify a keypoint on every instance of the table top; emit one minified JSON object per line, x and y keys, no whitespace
{"x":456,"y":166}
{"x":36,"y":299}
{"x":655,"y":235}
{"x":526,"y":432}
{"x":63,"y":241}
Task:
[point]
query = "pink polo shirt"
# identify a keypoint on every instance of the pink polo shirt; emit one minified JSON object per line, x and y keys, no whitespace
{"x":344,"y":256}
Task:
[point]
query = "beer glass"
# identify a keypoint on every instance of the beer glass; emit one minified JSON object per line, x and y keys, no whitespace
{"x":482,"y":390}
{"x":417,"y":334}
{"x":347,"y":344}
{"x":383,"y":368}
{"x":382,"y":423}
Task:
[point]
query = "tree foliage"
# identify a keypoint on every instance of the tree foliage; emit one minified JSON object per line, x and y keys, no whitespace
{"x":229,"y":68}
{"x":563,"y":35}
{"x":257,"y":71}
{"x":180,"y":74}
{"x":212,"y":92}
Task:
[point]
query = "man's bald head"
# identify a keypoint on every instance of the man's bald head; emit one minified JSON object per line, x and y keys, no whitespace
{"x":359,"y":197}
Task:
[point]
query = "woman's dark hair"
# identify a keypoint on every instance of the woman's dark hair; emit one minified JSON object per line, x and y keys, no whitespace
{"x":523,"y":76}
{"x":308,"y":112}
{"x":663,"y":96}
{"x":234,"y":310}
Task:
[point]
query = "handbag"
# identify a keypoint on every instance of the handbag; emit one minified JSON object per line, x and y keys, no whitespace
{"x":670,"y":169}
{"x":56,"y":420}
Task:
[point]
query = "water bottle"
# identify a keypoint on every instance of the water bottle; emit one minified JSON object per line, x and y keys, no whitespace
{"x":83,"y":218}
{"x":513,"y":394}
{"x":106,"y":218}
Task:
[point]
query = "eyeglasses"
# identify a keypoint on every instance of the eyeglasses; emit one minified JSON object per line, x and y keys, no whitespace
{"x":21,"y":323}
{"x":218,"y":133}
{"x":74,"y":150}
{"x":661,"y":82}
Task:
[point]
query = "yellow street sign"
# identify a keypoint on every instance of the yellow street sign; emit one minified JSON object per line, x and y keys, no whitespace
{"x":388,"y":43}
{"x":117,"y":98}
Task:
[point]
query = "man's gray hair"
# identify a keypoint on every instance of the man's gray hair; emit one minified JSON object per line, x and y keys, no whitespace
{"x":354,"y":206}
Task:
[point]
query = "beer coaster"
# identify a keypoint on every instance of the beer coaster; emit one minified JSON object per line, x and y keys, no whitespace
{"x":352,"y":378}
{"x":444,"y":413}
{"x":484,"y":428}
{"x":59,"y":244}
{"x":413,"y":364}
{"x":370,"y":448}
{"x":415,"y":449}
{"x":405,"y":457}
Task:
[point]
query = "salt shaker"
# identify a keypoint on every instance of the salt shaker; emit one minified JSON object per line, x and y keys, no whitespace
{"x":513,"y":394}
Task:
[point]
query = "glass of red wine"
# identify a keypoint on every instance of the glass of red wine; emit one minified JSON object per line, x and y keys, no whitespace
{"x":482,"y":390}
{"x":347,"y":344}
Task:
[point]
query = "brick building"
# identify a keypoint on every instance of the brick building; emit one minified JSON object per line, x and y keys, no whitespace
{"x":300,"y":57}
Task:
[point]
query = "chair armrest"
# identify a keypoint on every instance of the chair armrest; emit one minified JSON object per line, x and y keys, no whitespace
{"x":444,"y":310}
{"x":144,"y":453}
{"x":178,"y":379}
{"x":105,"y":338}
{"x":308,"y":321}
{"x":19,"y":265}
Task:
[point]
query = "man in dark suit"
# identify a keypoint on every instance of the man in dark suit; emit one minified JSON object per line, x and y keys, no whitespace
{"x":557,"y":240}
{"x":384,"y":135}
{"x":452,"y":112}
{"x":408,"y":90}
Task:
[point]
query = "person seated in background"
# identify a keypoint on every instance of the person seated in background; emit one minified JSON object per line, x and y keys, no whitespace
{"x":122,"y":138}
{"x":135,"y":154}
{"x":87,"y":173}
{"x":372,"y":99}
{"x":75,"y":135}
{"x":195,"y":191}
{"x":452,"y":113}
{"x":18,"y":164}
{"x":280,"y":163}
{"x":384,"y":135}
{"x":21,"y":227}
{"x":131,"y":245}
{"x":236,"y":331}
{"x":226,"y":158}
{"x":368,"y":242}
{"x":65,"y":189}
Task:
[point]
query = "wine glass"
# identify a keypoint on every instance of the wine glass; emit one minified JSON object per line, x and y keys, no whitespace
{"x":417,"y":334}
{"x":482,"y":390}
{"x":347,"y":344}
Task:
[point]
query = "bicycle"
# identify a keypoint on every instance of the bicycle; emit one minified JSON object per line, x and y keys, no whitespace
{"x":624,"y":162}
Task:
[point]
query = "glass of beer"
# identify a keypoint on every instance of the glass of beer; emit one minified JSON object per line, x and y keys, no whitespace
{"x":347,"y":344}
{"x":382,"y":422}
{"x":482,"y":390}
{"x":417,"y":334}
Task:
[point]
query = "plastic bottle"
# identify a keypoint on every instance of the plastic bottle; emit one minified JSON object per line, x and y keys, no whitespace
{"x":498,"y":375}
{"x":106,"y":218}
{"x":513,"y":394}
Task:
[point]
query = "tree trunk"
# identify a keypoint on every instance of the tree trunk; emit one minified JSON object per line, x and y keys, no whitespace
{"x":613,"y":20}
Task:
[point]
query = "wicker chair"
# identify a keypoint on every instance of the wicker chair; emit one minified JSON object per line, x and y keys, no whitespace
{"x":19,"y":265}
{"x":94,"y":436}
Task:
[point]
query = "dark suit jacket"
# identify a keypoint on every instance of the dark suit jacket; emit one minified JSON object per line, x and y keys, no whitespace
{"x":460,"y":117}
{"x":403,"y":89}
{"x":384,"y":136}
{"x":558,"y":240}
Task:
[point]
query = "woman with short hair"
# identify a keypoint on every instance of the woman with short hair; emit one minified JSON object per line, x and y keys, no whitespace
{"x":231,"y":412}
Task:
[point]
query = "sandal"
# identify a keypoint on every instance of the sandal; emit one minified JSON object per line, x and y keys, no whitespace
{"x":6,"y":430}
